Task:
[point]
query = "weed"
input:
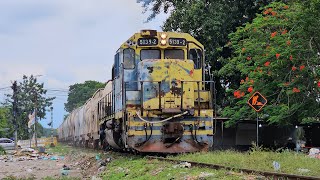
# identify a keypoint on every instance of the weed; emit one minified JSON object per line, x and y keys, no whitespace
{"x":2,"y":151}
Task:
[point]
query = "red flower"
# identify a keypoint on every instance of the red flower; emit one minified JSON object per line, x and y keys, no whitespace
{"x":293,"y":68}
{"x":248,"y":58}
{"x":274,"y":13}
{"x":277,"y":56}
{"x":284,"y":32}
{"x":251,"y":81}
{"x":247,"y":78}
{"x":273,"y":34}
{"x":286,"y":7}
{"x":319,"y":84}
{"x":242,"y":81}
{"x":267,"y":63}
{"x":302,"y":67}
{"x":291,"y":58}
{"x":266,"y":12}
{"x":238,"y":94}
{"x":243,"y":49}
{"x":269,"y":9}
{"x":296,"y":90}
{"x":288,"y":42}
{"x":250,"y":89}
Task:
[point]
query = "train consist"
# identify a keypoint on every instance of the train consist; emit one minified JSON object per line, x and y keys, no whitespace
{"x":157,"y":101}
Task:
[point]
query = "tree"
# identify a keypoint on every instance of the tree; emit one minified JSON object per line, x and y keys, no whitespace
{"x":80,"y":93}
{"x":31,"y":95}
{"x":209,"y":22}
{"x":6,"y":128}
{"x":278,"y":55}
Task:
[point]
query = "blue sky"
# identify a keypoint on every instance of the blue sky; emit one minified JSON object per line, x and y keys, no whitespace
{"x":65,"y":41}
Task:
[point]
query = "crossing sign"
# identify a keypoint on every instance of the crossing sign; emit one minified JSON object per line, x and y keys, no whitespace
{"x":257,"y":101}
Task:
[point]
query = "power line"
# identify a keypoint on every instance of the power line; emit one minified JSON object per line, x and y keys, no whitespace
{"x":5,"y":88}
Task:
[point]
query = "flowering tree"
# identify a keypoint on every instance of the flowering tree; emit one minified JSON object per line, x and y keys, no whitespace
{"x":278,"y":55}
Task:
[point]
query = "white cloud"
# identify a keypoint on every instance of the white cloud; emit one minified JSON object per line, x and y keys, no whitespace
{"x":66,"y":41}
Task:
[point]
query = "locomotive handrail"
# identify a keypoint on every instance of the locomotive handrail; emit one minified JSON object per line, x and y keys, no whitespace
{"x":162,"y":121}
{"x":161,"y":81}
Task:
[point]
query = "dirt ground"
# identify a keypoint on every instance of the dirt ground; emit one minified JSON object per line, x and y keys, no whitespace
{"x":74,"y":165}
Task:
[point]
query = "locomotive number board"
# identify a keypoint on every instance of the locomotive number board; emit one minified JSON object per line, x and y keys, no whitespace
{"x":147,"y":42}
{"x":177,"y":42}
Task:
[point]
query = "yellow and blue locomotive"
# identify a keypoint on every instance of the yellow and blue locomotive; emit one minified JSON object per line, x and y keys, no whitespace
{"x":158,"y":99}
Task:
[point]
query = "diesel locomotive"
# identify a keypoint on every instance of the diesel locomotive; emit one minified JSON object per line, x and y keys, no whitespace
{"x":160,"y":99}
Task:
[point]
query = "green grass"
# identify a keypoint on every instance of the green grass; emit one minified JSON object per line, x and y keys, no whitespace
{"x":2,"y":151}
{"x":143,"y":168}
{"x":290,"y":162}
{"x":60,"y":149}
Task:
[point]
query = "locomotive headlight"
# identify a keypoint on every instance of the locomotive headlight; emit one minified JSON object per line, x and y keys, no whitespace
{"x":163,"y":36}
{"x":163,"y":42}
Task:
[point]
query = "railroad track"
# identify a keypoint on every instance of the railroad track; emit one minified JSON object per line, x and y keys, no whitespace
{"x":272,"y":175}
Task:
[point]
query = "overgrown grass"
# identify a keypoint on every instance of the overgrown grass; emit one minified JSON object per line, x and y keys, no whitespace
{"x":47,"y":178}
{"x":143,"y":168}
{"x":60,"y":149}
{"x":2,"y":151}
{"x":258,"y":159}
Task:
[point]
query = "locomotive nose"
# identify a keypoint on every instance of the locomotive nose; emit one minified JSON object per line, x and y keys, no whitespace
{"x":165,"y":85}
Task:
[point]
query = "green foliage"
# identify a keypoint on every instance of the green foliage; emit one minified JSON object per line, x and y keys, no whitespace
{"x":47,"y":132}
{"x":80,"y":93}
{"x":31,"y":95}
{"x":209,"y":22}
{"x":276,"y":55}
{"x":2,"y":151}
{"x":5,"y":124}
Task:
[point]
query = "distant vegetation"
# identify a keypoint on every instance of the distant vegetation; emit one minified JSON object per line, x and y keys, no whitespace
{"x":80,"y":93}
{"x":30,"y":95}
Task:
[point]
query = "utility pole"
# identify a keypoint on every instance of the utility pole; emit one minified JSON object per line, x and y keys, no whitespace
{"x":15,"y":111}
{"x":35,"y":120}
{"x":52,"y":143}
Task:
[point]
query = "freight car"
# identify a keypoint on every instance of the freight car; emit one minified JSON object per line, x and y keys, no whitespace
{"x":159,"y":99}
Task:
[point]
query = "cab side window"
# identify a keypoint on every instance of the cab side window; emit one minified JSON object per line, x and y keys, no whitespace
{"x":128,"y":58}
{"x":116,"y":65}
{"x":196,"y":56}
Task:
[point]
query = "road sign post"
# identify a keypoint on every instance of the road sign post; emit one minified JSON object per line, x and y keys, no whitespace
{"x":257,"y":101}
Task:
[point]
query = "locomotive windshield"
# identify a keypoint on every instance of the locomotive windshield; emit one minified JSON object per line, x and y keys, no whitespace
{"x":173,"y":54}
{"x":150,"y":54}
{"x":128,"y":58}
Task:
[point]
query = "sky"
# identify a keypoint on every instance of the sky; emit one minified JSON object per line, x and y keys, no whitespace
{"x":65,"y":42}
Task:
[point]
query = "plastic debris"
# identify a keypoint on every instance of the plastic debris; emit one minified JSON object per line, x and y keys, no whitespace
{"x":101,"y":169}
{"x":65,"y":167}
{"x":183,"y":165}
{"x":42,"y":149}
{"x":64,"y":172}
{"x":276,"y":165}
{"x":98,"y":157}
{"x":54,"y":158}
{"x":301,"y":170}
{"x":314,"y":153}
{"x":204,"y":175}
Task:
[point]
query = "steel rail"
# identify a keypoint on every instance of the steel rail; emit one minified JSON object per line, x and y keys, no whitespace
{"x":272,"y":175}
